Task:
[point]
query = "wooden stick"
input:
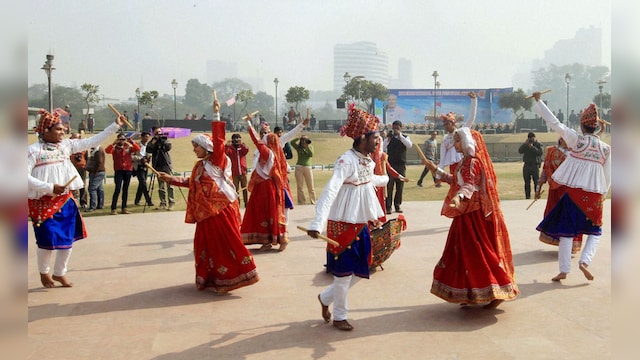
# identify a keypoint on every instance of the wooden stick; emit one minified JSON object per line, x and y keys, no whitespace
{"x":70,"y":181}
{"x":118,"y":114}
{"x":308,"y":113}
{"x":541,"y":92}
{"x":330,"y":241}
{"x":250,"y":116}
{"x":534,"y":201}
{"x":152,"y":169}
{"x":215,"y":97}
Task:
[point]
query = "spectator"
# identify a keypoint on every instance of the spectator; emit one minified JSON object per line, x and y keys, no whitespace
{"x":237,"y":151}
{"x":82,"y":127}
{"x":122,"y":150}
{"x":312,"y":122}
{"x":573,"y":119}
{"x":397,"y":145}
{"x":140,"y":161}
{"x":136,"y":120}
{"x":90,"y":123}
{"x":159,"y":148}
{"x":531,"y":151}
{"x":560,"y":115}
{"x":431,"y":153}
{"x":304,"y":173}
{"x":97,"y":175}
{"x":79,"y":161}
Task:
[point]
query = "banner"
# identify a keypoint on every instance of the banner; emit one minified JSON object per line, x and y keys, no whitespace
{"x":420,"y":105}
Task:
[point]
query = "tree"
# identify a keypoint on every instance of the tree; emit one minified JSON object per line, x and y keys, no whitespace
{"x":605,"y":101}
{"x":516,"y":101}
{"x":90,"y":96}
{"x":149,"y":98}
{"x":198,"y":95}
{"x":582,"y":87}
{"x":296,"y":95}
{"x":244,"y":96}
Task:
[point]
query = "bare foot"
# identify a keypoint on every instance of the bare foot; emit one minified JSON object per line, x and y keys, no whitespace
{"x":265,"y":247}
{"x":62,"y":280}
{"x":560,"y":277}
{"x":583,"y":267}
{"x":46,"y":281}
{"x":493,"y":304}
{"x":282,"y":246}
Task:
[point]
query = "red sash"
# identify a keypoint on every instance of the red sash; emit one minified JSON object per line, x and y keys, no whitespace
{"x":344,"y":233}
{"x":590,"y":203}
{"x":43,"y":209}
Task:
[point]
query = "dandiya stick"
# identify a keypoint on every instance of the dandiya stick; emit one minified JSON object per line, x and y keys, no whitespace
{"x":118,"y":113}
{"x":70,"y":181}
{"x":330,"y":241}
{"x":250,"y":116}
{"x":534,"y":201}
{"x":541,"y":92}
{"x":215,"y":98}
{"x":152,"y":169}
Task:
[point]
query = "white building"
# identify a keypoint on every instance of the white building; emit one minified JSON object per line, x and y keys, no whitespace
{"x":359,"y":59}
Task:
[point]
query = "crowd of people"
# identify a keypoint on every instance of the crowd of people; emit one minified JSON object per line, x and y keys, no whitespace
{"x":476,"y":266}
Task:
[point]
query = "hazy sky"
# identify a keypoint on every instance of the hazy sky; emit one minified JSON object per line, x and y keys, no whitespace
{"x":123,"y":44}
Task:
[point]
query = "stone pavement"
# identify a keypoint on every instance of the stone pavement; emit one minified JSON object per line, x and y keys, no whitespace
{"x":134,"y":298}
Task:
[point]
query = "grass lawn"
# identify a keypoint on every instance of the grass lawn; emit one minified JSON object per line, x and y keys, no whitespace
{"x":328,"y":146}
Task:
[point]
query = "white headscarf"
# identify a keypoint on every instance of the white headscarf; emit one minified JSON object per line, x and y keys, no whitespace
{"x":204,"y":141}
{"x":468,"y":144}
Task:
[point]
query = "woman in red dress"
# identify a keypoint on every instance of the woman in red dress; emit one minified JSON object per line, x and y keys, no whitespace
{"x":223,"y":263}
{"x":476,"y":266}
{"x":264,"y":219}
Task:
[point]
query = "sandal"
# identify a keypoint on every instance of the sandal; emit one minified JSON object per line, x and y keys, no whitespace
{"x":326,"y":315}
{"x":342,"y":325}
{"x":493,"y":304}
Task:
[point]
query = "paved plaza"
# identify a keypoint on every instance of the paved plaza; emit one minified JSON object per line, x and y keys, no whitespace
{"x":134,"y":297}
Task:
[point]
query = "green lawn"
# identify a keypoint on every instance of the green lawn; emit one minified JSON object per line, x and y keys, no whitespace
{"x":328,"y":146}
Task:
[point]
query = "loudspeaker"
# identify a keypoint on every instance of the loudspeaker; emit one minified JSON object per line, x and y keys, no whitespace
{"x":340,"y":104}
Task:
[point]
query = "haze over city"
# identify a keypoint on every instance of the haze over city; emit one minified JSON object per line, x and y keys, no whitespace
{"x":124,"y":45}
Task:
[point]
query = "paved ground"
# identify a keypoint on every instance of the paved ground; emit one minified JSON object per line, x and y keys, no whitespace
{"x":134,"y":298}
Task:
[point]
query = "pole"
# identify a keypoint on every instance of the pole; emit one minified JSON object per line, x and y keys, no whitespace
{"x":276,"y":81}
{"x":175,"y":111}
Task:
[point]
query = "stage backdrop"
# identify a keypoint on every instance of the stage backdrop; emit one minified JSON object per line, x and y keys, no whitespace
{"x":412,"y":105}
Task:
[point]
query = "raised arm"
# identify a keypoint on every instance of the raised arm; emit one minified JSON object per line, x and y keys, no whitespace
{"x":474,"y":107}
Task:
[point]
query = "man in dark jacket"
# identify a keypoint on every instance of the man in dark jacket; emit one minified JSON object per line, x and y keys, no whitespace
{"x":531,"y":151}
{"x":397,"y":144}
{"x":159,"y":148}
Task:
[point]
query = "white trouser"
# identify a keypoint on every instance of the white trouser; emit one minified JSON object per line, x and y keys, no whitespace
{"x":60,"y":266}
{"x":337,"y":293}
{"x":588,"y":252}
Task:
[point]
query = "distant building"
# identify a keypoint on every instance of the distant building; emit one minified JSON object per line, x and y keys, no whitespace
{"x":220,"y":70}
{"x":405,"y":75}
{"x":359,"y":59}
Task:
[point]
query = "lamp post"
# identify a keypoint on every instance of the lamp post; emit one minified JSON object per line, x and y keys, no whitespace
{"x":174,"y":85}
{"x":600,"y":86}
{"x":48,"y":69}
{"x":567,"y":79}
{"x":435,"y":95}
{"x":435,"y":85}
{"x":276,"y":81}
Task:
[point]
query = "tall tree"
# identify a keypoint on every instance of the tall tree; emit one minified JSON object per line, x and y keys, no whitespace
{"x":582,"y":87}
{"x":198,"y":95}
{"x":244,"y":97}
{"x":297,"y":95}
{"x":516,"y":101}
{"x":90,"y":96}
{"x":149,"y":98}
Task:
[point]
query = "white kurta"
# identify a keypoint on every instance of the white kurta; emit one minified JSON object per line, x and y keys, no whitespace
{"x":350,"y":194}
{"x":588,"y":165}
{"x":49,"y":164}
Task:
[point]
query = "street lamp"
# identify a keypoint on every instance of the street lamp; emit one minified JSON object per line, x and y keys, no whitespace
{"x":174,"y":85}
{"x":48,"y":68}
{"x":276,"y":81}
{"x":567,"y":79}
{"x":348,"y":79}
{"x":435,"y":85}
{"x":600,"y":86}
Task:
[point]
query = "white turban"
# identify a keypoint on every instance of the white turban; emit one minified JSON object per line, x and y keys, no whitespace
{"x":468,"y":144}
{"x":204,"y":141}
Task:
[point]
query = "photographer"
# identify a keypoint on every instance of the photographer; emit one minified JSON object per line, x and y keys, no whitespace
{"x":303,"y":172}
{"x":531,"y":151}
{"x":140,"y":161}
{"x":122,"y":150}
{"x":237,"y":151}
{"x":159,"y":148}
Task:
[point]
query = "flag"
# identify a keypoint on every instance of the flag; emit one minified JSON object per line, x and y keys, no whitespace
{"x":231,"y":101}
